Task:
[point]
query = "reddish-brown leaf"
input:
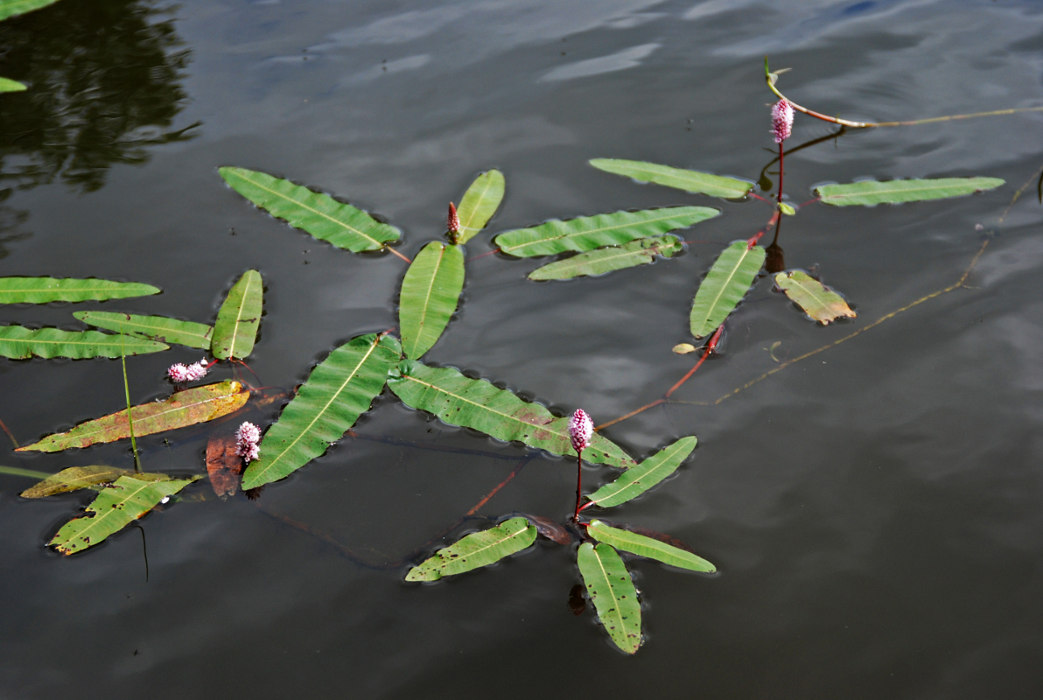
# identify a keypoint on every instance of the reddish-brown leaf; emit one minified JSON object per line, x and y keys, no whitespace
{"x":224,"y":465}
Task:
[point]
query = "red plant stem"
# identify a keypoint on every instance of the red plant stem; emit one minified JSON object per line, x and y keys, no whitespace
{"x":395,"y":252}
{"x":631,"y":414}
{"x":485,"y":499}
{"x":579,"y":484}
{"x":9,"y":434}
{"x":710,"y":347}
{"x":781,"y":171}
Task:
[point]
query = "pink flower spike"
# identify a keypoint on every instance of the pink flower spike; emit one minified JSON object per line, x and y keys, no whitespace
{"x":246,"y":439}
{"x":453,"y":223}
{"x":581,"y":429}
{"x":782,"y":120}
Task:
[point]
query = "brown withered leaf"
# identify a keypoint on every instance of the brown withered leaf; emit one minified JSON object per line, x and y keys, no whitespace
{"x":224,"y":465}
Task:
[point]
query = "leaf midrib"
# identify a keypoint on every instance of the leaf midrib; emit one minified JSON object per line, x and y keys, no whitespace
{"x":601,"y":229}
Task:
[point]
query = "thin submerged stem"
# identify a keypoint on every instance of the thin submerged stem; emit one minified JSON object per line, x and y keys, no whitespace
{"x":130,"y":418}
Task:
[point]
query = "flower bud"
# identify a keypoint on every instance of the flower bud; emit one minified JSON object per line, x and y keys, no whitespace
{"x":581,"y":429}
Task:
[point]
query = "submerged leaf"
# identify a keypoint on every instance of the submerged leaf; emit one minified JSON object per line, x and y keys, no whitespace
{"x":161,"y":328}
{"x":591,"y":232}
{"x":476,"y":550}
{"x":477,"y":404}
{"x":430,"y":292}
{"x":340,"y":389}
{"x":197,"y":405}
{"x":235,"y":330}
{"x":648,"y":547}
{"x":645,"y":475}
{"x":43,"y":290}
{"x":480,"y":202}
{"x":872,"y":192}
{"x":612,"y":591}
{"x":643,"y":251}
{"x":19,"y":343}
{"x":223,"y":465}
{"x":76,"y":478}
{"x":725,"y":285}
{"x":116,"y":506}
{"x":687,"y":180}
{"x":819,"y":302}
{"x":312,"y":212}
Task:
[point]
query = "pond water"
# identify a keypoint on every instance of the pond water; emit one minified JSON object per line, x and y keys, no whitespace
{"x":874,"y":510}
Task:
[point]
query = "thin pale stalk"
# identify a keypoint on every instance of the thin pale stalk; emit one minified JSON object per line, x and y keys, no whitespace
{"x":130,"y":418}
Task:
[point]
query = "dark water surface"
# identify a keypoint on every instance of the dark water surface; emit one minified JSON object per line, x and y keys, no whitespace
{"x":875,"y":510}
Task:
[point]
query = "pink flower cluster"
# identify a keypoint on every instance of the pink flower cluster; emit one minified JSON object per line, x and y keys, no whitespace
{"x":581,"y":429}
{"x":453,"y":222}
{"x":246,"y":439}
{"x":782,"y":120}
{"x":180,"y":373}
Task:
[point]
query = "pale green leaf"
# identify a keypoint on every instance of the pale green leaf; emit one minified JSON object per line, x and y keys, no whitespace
{"x":43,"y":290}
{"x":480,"y":202}
{"x":76,"y":478}
{"x":11,"y":8}
{"x":645,"y":475}
{"x":816,"y":299}
{"x":161,"y":328}
{"x":477,"y":404}
{"x":687,"y":180}
{"x":725,"y":285}
{"x":612,"y":591}
{"x":604,"y":260}
{"x":312,"y":212}
{"x":430,"y":292}
{"x":235,"y":330}
{"x":591,"y":232}
{"x":476,"y":550}
{"x":872,"y":192}
{"x":8,"y":85}
{"x":19,"y":343}
{"x":648,"y":547}
{"x":340,"y":389}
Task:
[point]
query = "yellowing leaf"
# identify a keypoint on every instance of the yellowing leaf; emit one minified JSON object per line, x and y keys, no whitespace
{"x":818,"y":301}
{"x":76,"y":478}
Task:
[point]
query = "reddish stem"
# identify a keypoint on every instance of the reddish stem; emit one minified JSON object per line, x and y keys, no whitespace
{"x":781,"y":171}
{"x":579,"y":484}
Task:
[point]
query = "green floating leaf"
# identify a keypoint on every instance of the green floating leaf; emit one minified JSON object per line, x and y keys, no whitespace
{"x":312,"y":212}
{"x":645,"y":475}
{"x":480,"y":202}
{"x":430,"y":292}
{"x":161,"y":328}
{"x":612,"y":590}
{"x":476,"y":550}
{"x":591,"y":232}
{"x":43,"y":290}
{"x":340,"y":389}
{"x":235,"y":329}
{"x":8,"y":85}
{"x":687,"y":180}
{"x":11,"y":8}
{"x":816,"y":299}
{"x":477,"y":404}
{"x":648,"y":547}
{"x":725,"y":285}
{"x":19,"y":343}
{"x":76,"y":478}
{"x":197,"y":405}
{"x":117,"y":506}
{"x":873,"y":192}
{"x":603,"y":260}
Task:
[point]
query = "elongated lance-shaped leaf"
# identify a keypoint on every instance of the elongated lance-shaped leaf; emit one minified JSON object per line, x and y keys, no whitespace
{"x":872,"y":192}
{"x":161,"y":328}
{"x":817,"y":300}
{"x":235,"y":330}
{"x":476,"y":550}
{"x":725,"y":285}
{"x":636,"y":480}
{"x":117,"y":506}
{"x":8,"y":85}
{"x":89,"y":477}
{"x":480,"y":202}
{"x":312,"y":212}
{"x":430,"y":292}
{"x":189,"y":407}
{"x":11,"y":8}
{"x":340,"y":389}
{"x":477,"y":404}
{"x":643,"y":251}
{"x":677,"y":178}
{"x":43,"y":290}
{"x":648,"y":547}
{"x":591,"y":232}
{"x":612,"y":590}
{"x":19,"y":343}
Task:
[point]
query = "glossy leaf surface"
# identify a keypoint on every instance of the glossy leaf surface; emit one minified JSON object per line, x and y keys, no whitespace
{"x":19,"y":343}
{"x":43,"y":290}
{"x":315,"y":213}
{"x":816,"y":299}
{"x":189,"y":407}
{"x":872,"y":192}
{"x":480,"y":202}
{"x":725,"y":285}
{"x":591,"y":232}
{"x":476,"y":550}
{"x":76,"y":478}
{"x":642,"y":251}
{"x":648,"y":547}
{"x":8,"y":85}
{"x":612,"y":591}
{"x":11,"y":8}
{"x":235,"y":330}
{"x":340,"y":389}
{"x":477,"y":404}
{"x":677,"y":178}
{"x":636,"y":480}
{"x":116,"y":506}
{"x":161,"y":328}
{"x":430,"y":292}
